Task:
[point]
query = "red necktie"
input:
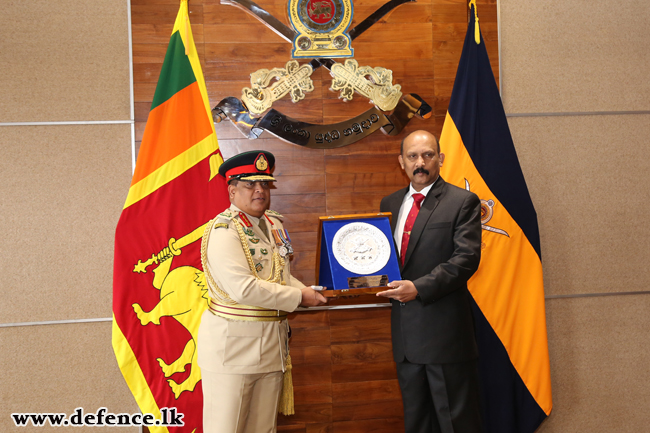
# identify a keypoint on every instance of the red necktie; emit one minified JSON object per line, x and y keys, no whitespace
{"x":408,"y":225}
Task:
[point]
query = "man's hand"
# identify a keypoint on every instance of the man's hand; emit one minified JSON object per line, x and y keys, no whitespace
{"x":404,"y":291}
{"x":311,"y":298}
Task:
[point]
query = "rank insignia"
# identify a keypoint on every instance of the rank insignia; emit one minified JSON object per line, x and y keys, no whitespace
{"x":259,"y":267}
{"x":220,"y":225}
{"x":254,"y":240}
{"x":264,"y":251}
{"x":249,"y":232}
{"x":252,"y":250}
{"x":245,"y":220}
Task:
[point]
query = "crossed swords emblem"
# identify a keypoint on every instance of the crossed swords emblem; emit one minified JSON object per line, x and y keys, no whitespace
{"x":295,"y":80}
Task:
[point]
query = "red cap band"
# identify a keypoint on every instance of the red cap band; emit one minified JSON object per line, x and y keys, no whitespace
{"x":245,"y":169}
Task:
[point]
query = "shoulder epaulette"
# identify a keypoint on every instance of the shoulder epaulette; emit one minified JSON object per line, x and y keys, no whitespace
{"x":273,"y":213}
{"x":226,"y":214}
{"x":223,"y":219}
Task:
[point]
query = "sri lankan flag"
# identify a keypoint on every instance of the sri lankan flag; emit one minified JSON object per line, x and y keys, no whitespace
{"x":507,"y":288}
{"x":159,"y":290}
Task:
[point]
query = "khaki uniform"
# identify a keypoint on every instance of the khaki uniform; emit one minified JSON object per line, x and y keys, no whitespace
{"x":242,"y":359}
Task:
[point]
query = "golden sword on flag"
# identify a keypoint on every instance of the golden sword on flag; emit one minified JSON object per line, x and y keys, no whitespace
{"x":173,"y":249}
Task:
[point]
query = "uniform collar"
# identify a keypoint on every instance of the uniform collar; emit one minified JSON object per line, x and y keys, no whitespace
{"x":253,"y":219}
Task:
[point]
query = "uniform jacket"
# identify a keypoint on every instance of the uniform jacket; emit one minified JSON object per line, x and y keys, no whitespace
{"x":443,"y":253}
{"x":245,"y":347}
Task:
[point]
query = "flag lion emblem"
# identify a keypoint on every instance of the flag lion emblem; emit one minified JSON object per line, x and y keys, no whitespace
{"x":183,"y":296}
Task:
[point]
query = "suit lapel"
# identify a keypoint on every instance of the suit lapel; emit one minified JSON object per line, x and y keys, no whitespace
{"x":426,"y":210}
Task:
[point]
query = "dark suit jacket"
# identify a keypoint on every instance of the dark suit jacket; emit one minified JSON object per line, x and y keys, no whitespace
{"x":444,"y":251}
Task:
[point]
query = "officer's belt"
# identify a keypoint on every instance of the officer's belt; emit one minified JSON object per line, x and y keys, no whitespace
{"x":246,"y":312}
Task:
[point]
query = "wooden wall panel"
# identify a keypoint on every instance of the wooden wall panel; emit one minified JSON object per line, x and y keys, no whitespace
{"x":344,"y":375}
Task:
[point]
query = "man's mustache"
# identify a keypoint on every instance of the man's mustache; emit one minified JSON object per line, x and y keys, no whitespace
{"x":420,"y":170}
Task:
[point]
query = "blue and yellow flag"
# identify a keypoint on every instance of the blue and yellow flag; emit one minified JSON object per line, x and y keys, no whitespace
{"x":159,"y":289}
{"x":508,"y":287}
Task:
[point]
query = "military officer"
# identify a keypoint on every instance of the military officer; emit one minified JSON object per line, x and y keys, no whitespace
{"x":243,"y":337}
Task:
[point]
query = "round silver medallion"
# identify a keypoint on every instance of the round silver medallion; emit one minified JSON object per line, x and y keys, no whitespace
{"x":361,"y":248}
{"x":340,"y":42}
{"x":283,"y":251}
{"x":304,"y":43}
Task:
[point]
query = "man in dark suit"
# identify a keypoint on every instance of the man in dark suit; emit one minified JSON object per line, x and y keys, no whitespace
{"x":437,"y":232}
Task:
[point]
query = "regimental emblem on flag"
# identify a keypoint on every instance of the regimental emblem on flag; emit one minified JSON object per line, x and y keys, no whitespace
{"x":507,"y":288}
{"x":487,"y":210}
{"x":171,"y":199}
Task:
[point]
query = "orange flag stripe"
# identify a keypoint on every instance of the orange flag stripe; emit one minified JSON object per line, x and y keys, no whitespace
{"x":172,"y":169}
{"x":509,"y":293}
{"x":167,"y":128}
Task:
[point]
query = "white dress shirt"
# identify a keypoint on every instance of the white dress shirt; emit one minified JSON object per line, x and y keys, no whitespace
{"x":407,"y":203}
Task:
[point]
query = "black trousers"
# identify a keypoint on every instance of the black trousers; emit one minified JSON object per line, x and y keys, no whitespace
{"x":440,"y":398}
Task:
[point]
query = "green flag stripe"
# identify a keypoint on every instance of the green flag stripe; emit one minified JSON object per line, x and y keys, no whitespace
{"x":176,"y":73}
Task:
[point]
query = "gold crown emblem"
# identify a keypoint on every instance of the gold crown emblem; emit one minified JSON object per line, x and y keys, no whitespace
{"x":261,"y":163}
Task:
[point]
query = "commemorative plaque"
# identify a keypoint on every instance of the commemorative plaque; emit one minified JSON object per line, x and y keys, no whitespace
{"x":356,"y":254}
